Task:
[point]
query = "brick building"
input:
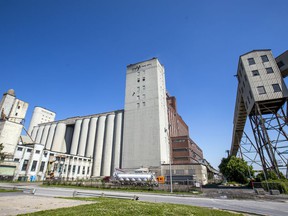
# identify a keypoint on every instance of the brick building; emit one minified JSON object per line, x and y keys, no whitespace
{"x":184,"y":149}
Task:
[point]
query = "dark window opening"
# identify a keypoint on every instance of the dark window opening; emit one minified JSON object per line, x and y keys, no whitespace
{"x":276,"y":87}
{"x":251,"y":61}
{"x":261,"y":90}
{"x":255,"y":73}
{"x":264,"y":58}
{"x":280,"y":64}
{"x":42,"y":166}
{"x":269,"y":70}
{"x":34,"y":164}
{"x":25,"y":164}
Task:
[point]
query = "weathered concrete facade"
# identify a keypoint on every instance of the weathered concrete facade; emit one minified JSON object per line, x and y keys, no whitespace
{"x":146,"y":133}
{"x":13,"y":111}
{"x":98,"y":137}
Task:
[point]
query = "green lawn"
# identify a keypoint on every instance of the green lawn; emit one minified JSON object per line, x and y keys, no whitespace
{"x":106,"y":206}
{"x":7,"y":190}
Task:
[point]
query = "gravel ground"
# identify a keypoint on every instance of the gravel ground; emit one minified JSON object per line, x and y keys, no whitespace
{"x":21,"y":204}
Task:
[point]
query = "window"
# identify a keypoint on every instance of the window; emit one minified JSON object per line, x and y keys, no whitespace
{"x":143,"y":79}
{"x":255,"y":73}
{"x":264,"y":58}
{"x":16,"y":159}
{"x":280,"y":64}
{"x":19,"y":149}
{"x":143,"y":87}
{"x":16,"y":114}
{"x":276,"y":87}
{"x":138,"y":89}
{"x":261,"y":90}
{"x":180,"y":150}
{"x":88,"y":170}
{"x":138,"y":105}
{"x":42,"y":166}
{"x":18,"y":107}
{"x":29,"y":150}
{"x":251,"y":61}
{"x":37,"y":152}
{"x":138,"y":97}
{"x":25,"y":164}
{"x":83,"y":170}
{"x":144,"y":104}
{"x":269,"y":70}
{"x":74,"y":168}
{"x":78,"y":171}
{"x":34,"y":164}
{"x":60,"y":168}
{"x":138,"y":79}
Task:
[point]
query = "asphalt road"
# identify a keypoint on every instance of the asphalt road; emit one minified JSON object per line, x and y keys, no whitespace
{"x":260,"y":207}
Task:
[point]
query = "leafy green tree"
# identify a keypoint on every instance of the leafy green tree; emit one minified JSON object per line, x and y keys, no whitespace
{"x":271,"y":175}
{"x":236,"y":169}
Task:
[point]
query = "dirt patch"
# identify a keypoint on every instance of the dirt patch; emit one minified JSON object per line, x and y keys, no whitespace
{"x":22,"y":204}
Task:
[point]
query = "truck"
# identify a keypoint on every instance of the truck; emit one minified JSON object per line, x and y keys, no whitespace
{"x":140,"y":176}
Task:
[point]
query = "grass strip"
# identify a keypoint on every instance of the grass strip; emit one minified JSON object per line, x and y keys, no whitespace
{"x":108,"y":206}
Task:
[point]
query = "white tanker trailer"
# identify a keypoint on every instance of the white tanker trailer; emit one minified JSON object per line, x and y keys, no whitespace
{"x":139,"y":177}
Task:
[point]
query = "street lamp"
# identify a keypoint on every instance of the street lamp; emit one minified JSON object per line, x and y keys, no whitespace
{"x":170,"y":160}
{"x":171,"y":186}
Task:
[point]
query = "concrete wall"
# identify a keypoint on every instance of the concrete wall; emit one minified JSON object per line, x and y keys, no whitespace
{"x":98,"y":137}
{"x":198,"y":171}
{"x":145,"y":141}
{"x":9,"y":135}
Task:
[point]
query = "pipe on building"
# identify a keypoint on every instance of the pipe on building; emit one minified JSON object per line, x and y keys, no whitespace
{"x":116,"y":158}
{"x":83,"y":137}
{"x":91,"y":137}
{"x":108,"y":146}
{"x":75,"y":139}
{"x":50,"y":136}
{"x":39,"y":134}
{"x":45,"y":134}
{"x":58,"y":140}
{"x":97,"y":158}
{"x":34,"y":133}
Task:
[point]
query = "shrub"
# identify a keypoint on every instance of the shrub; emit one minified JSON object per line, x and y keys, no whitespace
{"x":280,"y":184}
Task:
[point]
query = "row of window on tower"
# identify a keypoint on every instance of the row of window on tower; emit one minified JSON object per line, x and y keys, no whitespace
{"x":143,"y":96}
{"x":264,"y":58}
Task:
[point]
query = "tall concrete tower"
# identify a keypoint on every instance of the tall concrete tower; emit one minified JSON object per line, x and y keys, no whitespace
{"x":40,"y":115}
{"x":13,"y":111}
{"x":146,"y":132}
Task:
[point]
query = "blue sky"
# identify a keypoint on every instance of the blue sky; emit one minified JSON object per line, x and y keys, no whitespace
{"x":71,"y":56}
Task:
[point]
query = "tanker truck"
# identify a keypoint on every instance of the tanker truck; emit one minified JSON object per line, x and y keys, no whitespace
{"x":140,"y":176}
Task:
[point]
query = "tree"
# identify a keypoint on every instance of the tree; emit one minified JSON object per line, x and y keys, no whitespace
{"x":236,"y":169}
